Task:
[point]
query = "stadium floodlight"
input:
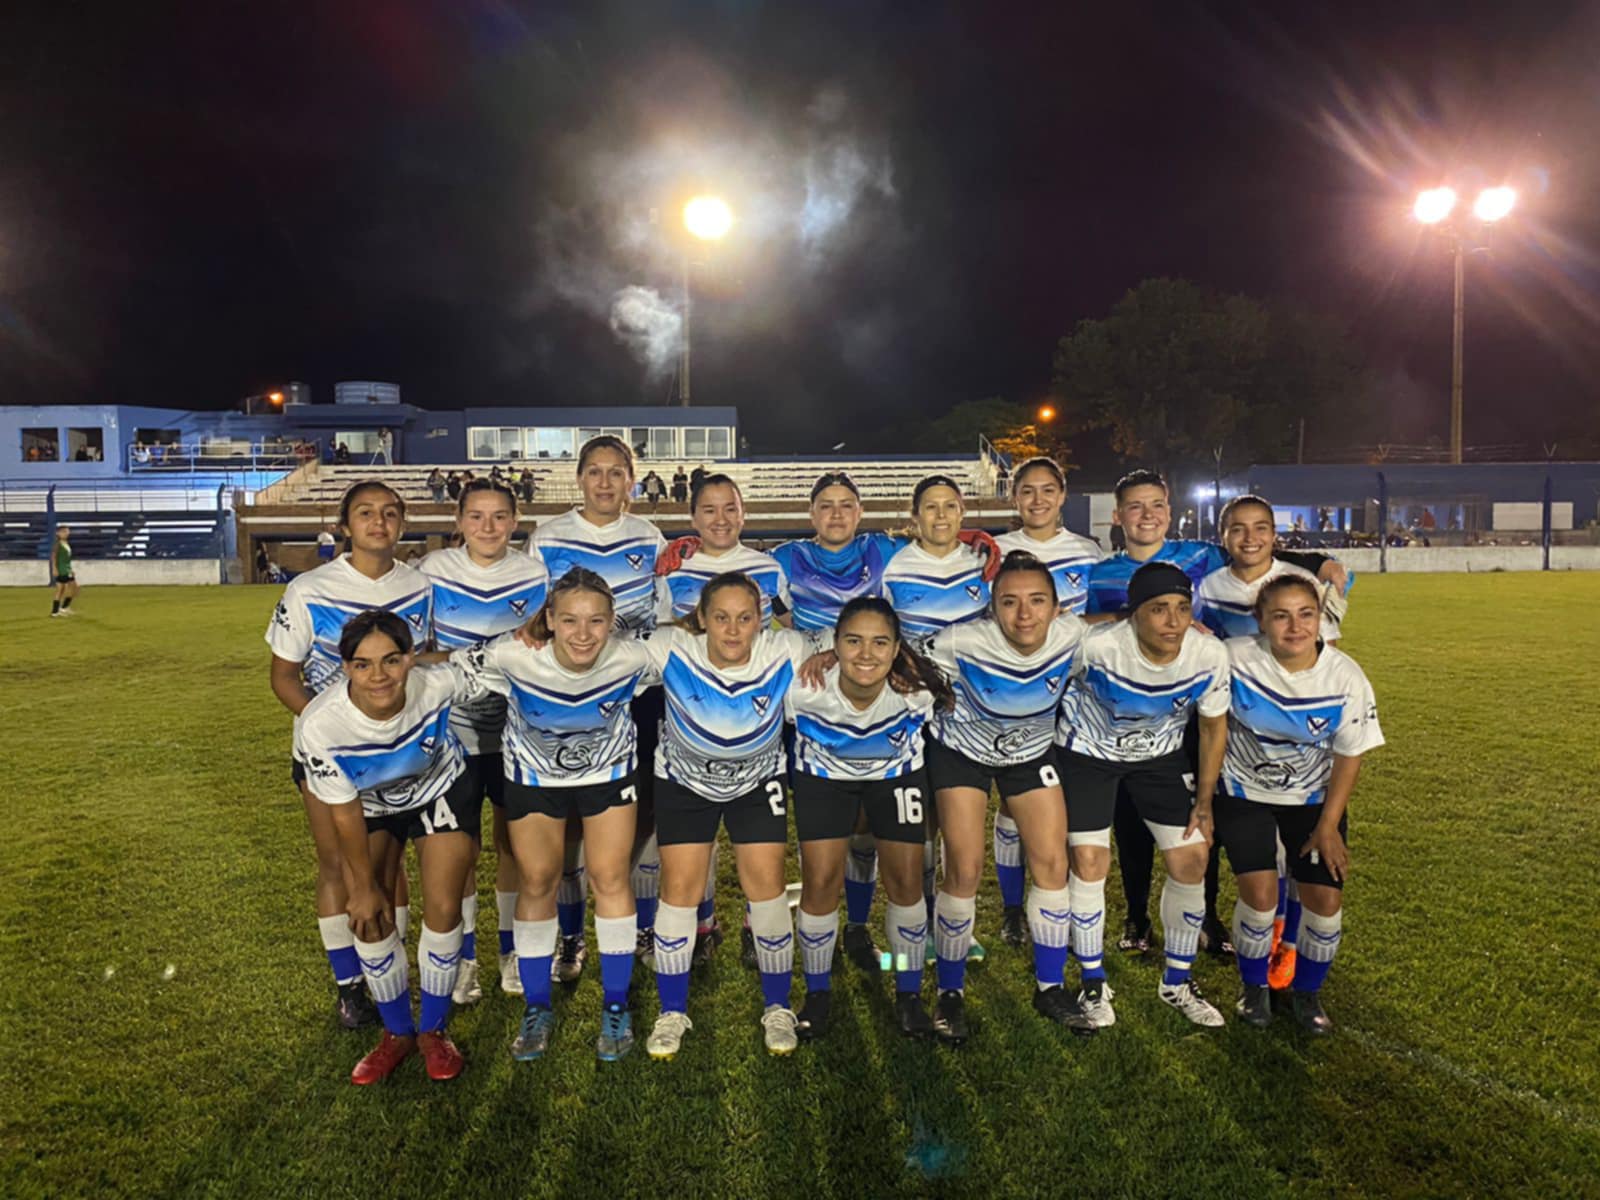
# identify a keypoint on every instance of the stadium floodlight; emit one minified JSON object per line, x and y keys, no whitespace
{"x":1046,"y":413}
{"x":1494,"y":204}
{"x":708,"y":218}
{"x":1434,"y":205}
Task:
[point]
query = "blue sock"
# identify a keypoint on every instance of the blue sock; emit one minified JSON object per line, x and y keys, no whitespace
{"x":345,"y":963}
{"x":819,"y":936}
{"x":340,"y":945}
{"x":674,"y":952}
{"x":435,"y":1010}
{"x":952,"y":936}
{"x":1183,"y":910}
{"x":1291,"y":922}
{"x":1050,"y":924}
{"x":773,"y":930}
{"x":1309,"y":975}
{"x":388,"y":982}
{"x":469,"y":926}
{"x":1013,"y":882}
{"x":1252,"y":943}
{"x":647,"y":911}
{"x":438,"y":964}
{"x":860,"y":878}
{"x":616,"y":936}
{"x":704,"y":911}
{"x":1008,"y":861}
{"x":536,"y":951}
{"x":506,"y":911}
{"x":907,"y":928}
{"x":469,"y":946}
{"x":396,"y":1015}
{"x":1283,"y":895}
{"x":858,"y":901}
{"x":1316,"y":956}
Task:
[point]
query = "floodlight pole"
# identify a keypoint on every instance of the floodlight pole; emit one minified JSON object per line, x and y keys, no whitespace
{"x":1455,"y":348}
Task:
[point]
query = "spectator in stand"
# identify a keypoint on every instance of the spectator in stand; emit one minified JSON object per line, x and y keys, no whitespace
{"x":526,"y":486}
{"x":263,"y":563}
{"x":655,"y":490}
{"x":496,"y":475}
{"x":327,"y":544}
{"x":1002,"y":481}
{"x":341,"y":455}
{"x":385,"y":447}
{"x":467,"y":477}
{"x":680,"y":487}
{"x":436,"y":485}
{"x":696,"y":475}
{"x":452,"y":486}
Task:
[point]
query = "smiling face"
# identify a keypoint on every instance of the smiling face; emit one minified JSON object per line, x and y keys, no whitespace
{"x":1160,"y":624}
{"x":866,"y":647}
{"x":374,"y":523}
{"x":718,"y":517}
{"x":1038,"y":496}
{"x":1144,"y":514}
{"x":486,"y":522}
{"x":605,"y":479}
{"x":1024,"y":604}
{"x":835,"y":515}
{"x":1291,"y":618}
{"x":938,"y":518}
{"x":732,"y":618}
{"x":377,"y":673}
{"x":1249,"y":536}
{"x":580,"y":622}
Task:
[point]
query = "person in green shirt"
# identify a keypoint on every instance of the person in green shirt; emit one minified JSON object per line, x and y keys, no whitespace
{"x":66,"y":583}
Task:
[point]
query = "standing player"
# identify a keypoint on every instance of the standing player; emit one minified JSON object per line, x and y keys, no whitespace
{"x":1038,"y":490}
{"x":304,"y":636}
{"x":601,"y":536}
{"x":386,"y":768}
{"x":1122,"y":730}
{"x":481,"y":590}
{"x":1225,"y":602}
{"x":62,"y":574}
{"x":858,"y":753}
{"x":726,"y":677}
{"x":1009,"y":676}
{"x":570,"y":755}
{"x":1302,"y":716}
{"x":1144,"y":515}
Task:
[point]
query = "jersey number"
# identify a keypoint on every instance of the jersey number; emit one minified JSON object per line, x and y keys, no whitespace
{"x":775,"y":797}
{"x":908,"y":800}
{"x":1188,"y":780}
{"x":630,"y":794}
{"x":443,"y":818}
{"x":1048,"y":776}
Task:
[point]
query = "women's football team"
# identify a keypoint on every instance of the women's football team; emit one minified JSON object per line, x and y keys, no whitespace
{"x":619,"y":700}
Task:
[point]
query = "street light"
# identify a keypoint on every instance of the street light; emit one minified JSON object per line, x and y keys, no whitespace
{"x":1433,"y":208}
{"x":1046,"y":414}
{"x":709,"y":219}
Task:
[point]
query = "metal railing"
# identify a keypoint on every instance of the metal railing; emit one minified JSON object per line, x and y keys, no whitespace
{"x":224,"y":454}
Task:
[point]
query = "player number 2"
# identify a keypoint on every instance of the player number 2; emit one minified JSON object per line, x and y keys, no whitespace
{"x":909,"y":802}
{"x":775,"y":797}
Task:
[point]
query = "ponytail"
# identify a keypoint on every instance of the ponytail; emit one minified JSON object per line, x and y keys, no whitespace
{"x":578,"y":579}
{"x":695,"y":621}
{"x":910,"y":671}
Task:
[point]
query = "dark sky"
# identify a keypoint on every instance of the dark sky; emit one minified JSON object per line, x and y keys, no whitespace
{"x":455,"y":195}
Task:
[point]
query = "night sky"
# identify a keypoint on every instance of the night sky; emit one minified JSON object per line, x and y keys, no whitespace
{"x":455,"y":196}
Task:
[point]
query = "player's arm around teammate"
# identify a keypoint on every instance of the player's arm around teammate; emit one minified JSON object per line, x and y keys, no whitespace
{"x":385,"y":768}
{"x":858,"y":757}
{"x":1303,"y":714}
{"x":1009,"y":675}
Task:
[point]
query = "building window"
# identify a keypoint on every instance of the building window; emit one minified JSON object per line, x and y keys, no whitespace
{"x":86,"y":444}
{"x":488,"y":442}
{"x":694,"y":443}
{"x":718,"y":444}
{"x":551,"y":443}
{"x":663,"y":443}
{"x":362,"y":443}
{"x":41,"y":445}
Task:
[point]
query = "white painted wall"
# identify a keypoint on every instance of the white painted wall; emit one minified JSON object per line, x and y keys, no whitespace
{"x":114,"y":571}
{"x":1474,"y":558}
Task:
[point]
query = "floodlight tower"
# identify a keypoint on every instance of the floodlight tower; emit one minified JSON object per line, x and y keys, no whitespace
{"x":707,"y":218}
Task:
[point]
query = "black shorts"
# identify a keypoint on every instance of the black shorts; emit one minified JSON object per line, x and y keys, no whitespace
{"x":562,"y":803}
{"x":61,"y":579}
{"x":686,"y":818}
{"x":649,"y":709}
{"x":459,"y":810}
{"x":488,"y":775}
{"x":1161,"y":789}
{"x":1249,"y":832}
{"x":828,"y":808}
{"x":949,"y":768}
{"x":297,"y":771}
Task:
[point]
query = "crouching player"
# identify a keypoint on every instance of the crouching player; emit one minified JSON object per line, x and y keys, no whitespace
{"x":382,"y":737}
{"x":1302,"y":716}
{"x":1122,"y":735}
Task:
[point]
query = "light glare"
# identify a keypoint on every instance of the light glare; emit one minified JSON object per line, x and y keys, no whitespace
{"x":1494,"y":203}
{"x":1434,"y":205}
{"x":707,"y":217}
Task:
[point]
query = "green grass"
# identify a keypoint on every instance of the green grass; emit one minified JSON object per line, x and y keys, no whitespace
{"x":149,"y":821}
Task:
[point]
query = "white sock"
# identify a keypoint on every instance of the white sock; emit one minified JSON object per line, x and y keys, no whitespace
{"x":1183,"y":911}
{"x":774,"y":934}
{"x":535,"y":939}
{"x":952,"y":926}
{"x":1007,"y":842}
{"x":469,"y":920}
{"x":907,"y":927}
{"x":1050,"y":924}
{"x":505,"y":904}
{"x":1321,"y":936}
{"x":336,"y":936}
{"x":1088,"y":904}
{"x":1252,"y":930}
{"x":647,"y":870}
{"x":929,"y":857}
{"x":384,"y":965}
{"x":402,"y":921}
{"x":818,"y":937}
{"x":438,"y":959}
{"x":674,"y":939}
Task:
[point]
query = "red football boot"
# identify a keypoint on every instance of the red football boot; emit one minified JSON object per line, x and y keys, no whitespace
{"x":379,"y":1064}
{"x":1280,"y":970}
{"x":440,"y":1056}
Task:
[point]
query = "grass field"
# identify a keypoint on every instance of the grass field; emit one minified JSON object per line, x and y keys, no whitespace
{"x":166,"y":1024}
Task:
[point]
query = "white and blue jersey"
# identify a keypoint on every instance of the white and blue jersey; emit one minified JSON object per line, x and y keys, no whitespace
{"x":723,"y":732}
{"x":1285,"y":727}
{"x":563,"y":728}
{"x":1226,"y":604}
{"x":833,"y":739}
{"x":929,"y":592}
{"x":1070,"y":557}
{"x":393,"y":766}
{"x":308,"y":620}
{"x":622,"y":553}
{"x":821,"y":582}
{"x":1124,"y":708}
{"x":1108,"y":580}
{"x":678,"y":593}
{"x":1006,"y":702}
{"x":473,"y":603}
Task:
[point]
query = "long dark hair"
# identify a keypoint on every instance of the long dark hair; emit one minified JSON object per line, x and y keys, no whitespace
{"x":366,"y":485}
{"x":605,"y":441}
{"x":695,"y":622}
{"x":578,"y":579}
{"x":374,"y":620}
{"x":910,"y":671}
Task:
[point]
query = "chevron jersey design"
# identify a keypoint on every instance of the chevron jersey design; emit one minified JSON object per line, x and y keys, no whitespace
{"x":821,"y":582}
{"x":723,"y":732}
{"x":1285,"y":728}
{"x":404,"y":763}
{"x":1006,"y":703}
{"x":1108,"y":580}
{"x":1225,"y":604}
{"x":1124,"y":708}
{"x":680,"y":591}
{"x":473,"y":603}
{"x":929,"y":593}
{"x":563,"y":728}
{"x":308,"y":620}
{"x":1070,"y":557}
{"x":836,"y":740}
{"x":622,"y":553}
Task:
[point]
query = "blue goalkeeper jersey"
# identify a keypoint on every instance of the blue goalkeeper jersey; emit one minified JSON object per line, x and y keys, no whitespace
{"x":821,"y":582}
{"x":1108,"y":581}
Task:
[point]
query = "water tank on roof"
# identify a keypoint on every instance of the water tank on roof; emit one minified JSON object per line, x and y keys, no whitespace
{"x":365,"y":391}
{"x":296,"y":393}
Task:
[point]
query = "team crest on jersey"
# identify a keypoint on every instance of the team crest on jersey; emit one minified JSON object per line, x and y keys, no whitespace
{"x":1011,"y":741}
{"x":1179,"y":703}
{"x":762,"y":703}
{"x":1053,"y":682}
{"x":634,"y":560}
{"x":897,"y":738}
{"x":428,"y":744}
{"x":574,"y":758}
{"x":1075,"y":578}
{"x":1317,"y":725}
{"x":416,"y":621}
{"x":519,"y":606}
{"x":1274,"y":775}
{"x":974,"y":590}
{"x":607,"y":707}
{"x":866,"y":573}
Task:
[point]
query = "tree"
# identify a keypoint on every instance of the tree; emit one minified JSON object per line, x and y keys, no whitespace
{"x":959,"y":429}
